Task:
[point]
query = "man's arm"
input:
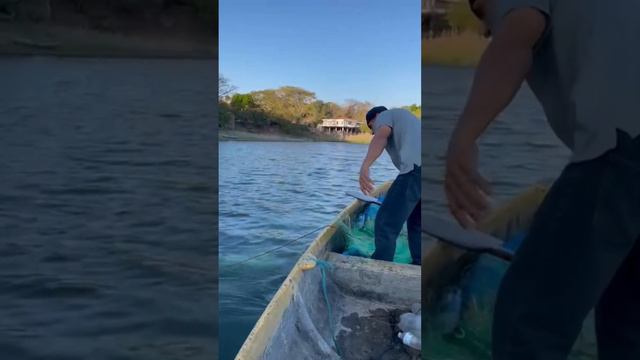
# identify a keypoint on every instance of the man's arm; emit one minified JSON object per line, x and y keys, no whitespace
{"x":501,"y":72}
{"x":376,"y":147}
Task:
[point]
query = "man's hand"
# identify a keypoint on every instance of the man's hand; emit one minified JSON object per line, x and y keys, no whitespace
{"x":366,"y":185}
{"x":467,"y":191}
{"x":502,"y":70}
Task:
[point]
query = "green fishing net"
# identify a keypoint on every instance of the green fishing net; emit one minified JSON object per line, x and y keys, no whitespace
{"x":459,"y":328}
{"x":360,"y":238}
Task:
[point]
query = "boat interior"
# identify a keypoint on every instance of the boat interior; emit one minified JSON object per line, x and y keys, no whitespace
{"x":337,"y":306}
{"x":352,"y":312}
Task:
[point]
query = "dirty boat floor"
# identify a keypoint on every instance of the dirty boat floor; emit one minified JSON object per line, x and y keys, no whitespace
{"x":373,"y":336}
{"x":366,"y":299}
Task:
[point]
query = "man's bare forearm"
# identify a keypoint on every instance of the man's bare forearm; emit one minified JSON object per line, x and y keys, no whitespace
{"x":499,"y":76}
{"x":376,"y":147}
{"x":501,"y":72}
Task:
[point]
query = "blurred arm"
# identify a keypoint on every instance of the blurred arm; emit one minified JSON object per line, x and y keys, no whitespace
{"x":501,"y":72}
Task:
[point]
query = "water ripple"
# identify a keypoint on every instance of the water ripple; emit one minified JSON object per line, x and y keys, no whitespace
{"x":107,"y":209}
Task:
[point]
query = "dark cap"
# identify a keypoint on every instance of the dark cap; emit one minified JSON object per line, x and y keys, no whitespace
{"x":373,"y":112}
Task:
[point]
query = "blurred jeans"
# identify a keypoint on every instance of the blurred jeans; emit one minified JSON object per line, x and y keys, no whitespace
{"x":401,"y":204}
{"x":581,"y":253}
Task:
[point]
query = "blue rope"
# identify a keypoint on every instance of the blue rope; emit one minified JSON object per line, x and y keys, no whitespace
{"x":324,"y":266}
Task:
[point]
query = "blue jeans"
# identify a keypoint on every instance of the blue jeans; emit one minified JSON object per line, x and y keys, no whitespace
{"x":401,"y":204}
{"x":582,"y":252}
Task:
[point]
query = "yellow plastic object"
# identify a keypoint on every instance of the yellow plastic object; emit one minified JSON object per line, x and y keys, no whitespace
{"x":307,"y":263}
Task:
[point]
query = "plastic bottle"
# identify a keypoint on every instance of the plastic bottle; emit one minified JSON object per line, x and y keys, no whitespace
{"x":416,"y":308}
{"x":411,"y":323}
{"x":410,"y":340}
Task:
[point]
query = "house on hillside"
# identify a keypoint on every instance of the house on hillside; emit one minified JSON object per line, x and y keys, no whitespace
{"x":341,"y":127}
{"x":434,"y":17}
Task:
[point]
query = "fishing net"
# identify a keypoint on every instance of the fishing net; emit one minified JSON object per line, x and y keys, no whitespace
{"x":460,"y":326}
{"x":360,"y":238}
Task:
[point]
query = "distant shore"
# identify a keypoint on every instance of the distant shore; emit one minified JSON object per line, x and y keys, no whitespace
{"x":462,"y":50}
{"x":67,"y":41}
{"x":244,"y":135}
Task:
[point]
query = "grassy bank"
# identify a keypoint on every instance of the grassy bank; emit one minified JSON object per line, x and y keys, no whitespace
{"x":453,"y":50}
{"x":363,"y":138}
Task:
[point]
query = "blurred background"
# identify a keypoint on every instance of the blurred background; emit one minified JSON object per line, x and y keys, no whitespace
{"x":108,"y":187}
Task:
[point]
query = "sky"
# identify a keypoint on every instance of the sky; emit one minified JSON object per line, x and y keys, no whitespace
{"x":367,"y":50}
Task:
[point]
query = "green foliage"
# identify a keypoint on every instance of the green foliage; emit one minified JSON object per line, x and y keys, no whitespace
{"x":325,"y":110}
{"x":415,"y":110}
{"x":290,"y":109}
{"x":462,"y":19}
{"x":225,"y":116}
{"x":242,"y":102}
{"x":364,"y":128}
{"x":288,"y":102}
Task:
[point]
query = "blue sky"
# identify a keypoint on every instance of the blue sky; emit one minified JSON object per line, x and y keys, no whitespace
{"x":366,"y":50}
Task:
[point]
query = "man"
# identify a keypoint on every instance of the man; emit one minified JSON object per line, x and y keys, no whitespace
{"x":397,"y":131}
{"x":582,"y":250}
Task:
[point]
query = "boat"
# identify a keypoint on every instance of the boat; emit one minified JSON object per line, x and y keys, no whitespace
{"x":447,"y":268}
{"x":337,"y":306}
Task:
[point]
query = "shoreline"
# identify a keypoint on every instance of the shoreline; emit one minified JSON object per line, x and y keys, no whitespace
{"x":99,"y":55}
{"x":80,"y":54}
{"x":26,"y":40}
{"x":244,"y":135}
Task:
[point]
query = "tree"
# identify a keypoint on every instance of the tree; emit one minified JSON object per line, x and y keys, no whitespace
{"x":242,"y":102}
{"x":319,"y":111}
{"x":224,"y":87}
{"x":226,"y":116}
{"x":290,"y":103}
{"x":356,"y":110}
{"x":291,"y":109}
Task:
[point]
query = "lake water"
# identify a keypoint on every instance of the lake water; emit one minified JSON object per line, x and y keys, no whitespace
{"x":270,"y":193}
{"x":107,"y":209}
{"x":518,"y":150}
{"x":107,"y":203}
